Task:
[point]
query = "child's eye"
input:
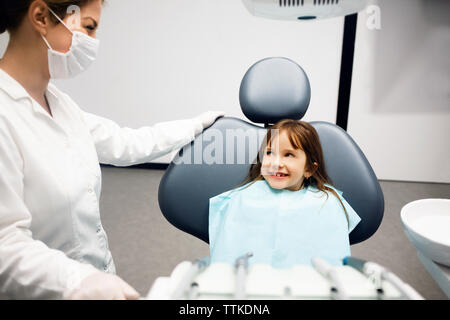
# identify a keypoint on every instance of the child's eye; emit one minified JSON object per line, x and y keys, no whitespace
{"x":289,"y":155}
{"x":91,"y":28}
{"x":268,"y":152}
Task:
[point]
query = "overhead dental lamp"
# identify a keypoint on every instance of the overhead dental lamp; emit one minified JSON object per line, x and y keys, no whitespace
{"x":298,"y":10}
{"x":303,"y":9}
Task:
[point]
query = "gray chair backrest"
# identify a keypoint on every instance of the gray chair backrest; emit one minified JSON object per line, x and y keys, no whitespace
{"x":219,"y":159}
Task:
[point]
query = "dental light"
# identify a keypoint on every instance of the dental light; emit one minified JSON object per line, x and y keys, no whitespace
{"x":303,"y":9}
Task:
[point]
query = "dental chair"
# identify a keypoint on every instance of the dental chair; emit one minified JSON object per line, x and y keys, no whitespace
{"x":272,"y":89}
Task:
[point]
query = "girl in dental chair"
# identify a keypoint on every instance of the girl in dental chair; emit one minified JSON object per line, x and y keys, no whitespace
{"x":285,"y":212}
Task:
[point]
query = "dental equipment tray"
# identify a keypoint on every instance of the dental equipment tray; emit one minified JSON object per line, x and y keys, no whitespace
{"x":223,"y":281}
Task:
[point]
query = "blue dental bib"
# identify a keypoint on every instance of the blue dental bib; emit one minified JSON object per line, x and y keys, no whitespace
{"x":281,"y":228}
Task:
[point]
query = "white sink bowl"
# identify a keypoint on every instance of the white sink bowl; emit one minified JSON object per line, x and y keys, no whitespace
{"x":427,"y":226}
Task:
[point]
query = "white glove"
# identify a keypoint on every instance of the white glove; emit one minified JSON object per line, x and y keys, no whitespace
{"x":103,"y":286}
{"x":206,"y":119}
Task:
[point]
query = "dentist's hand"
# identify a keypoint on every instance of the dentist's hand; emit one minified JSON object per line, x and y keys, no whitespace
{"x":103,"y":286}
{"x":206,"y":119}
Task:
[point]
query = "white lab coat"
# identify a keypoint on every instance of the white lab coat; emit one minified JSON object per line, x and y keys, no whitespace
{"x":51,"y":236}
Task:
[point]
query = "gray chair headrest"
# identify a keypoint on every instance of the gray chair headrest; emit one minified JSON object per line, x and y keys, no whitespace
{"x":274,"y":89}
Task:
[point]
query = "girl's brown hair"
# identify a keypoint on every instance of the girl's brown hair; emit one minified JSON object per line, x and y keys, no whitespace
{"x":12,"y":12}
{"x":302,"y":136}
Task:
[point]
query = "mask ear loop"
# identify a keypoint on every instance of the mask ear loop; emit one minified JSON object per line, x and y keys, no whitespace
{"x":60,"y":20}
{"x":46,"y":42}
{"x":56,"y":16}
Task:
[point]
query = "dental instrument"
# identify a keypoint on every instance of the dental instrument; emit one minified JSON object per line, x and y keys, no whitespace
{"x":241,"y":268}
{"x":186,"y":285}
{"x":330,"y":273}
{"x":377,"y":273}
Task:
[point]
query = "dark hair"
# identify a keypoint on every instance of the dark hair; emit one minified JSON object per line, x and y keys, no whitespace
{"x":302,"y":136}
{"x":12,"y":12}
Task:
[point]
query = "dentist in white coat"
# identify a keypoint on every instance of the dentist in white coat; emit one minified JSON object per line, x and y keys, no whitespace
{"x":52,"y":244}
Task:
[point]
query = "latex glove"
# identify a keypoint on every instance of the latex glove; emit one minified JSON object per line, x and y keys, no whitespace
{"x":206,"y":119}
{"x":103,"y":286}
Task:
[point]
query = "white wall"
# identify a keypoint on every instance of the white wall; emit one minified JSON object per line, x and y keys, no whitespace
{"x":170,"y":59}
{"x":400,"y":102}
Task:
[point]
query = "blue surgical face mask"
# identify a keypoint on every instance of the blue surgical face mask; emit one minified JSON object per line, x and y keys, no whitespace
{"x":80,"y":56}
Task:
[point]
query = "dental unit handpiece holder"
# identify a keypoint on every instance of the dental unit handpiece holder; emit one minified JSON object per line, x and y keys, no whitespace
{"x":186,"y":284}
{"x":378,"y":273}
{"x":330,"y":273}
{"x":241,"y":267}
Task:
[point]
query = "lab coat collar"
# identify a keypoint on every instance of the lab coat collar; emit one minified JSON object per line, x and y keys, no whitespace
{"x":51,"y":90}
{"x":16,"y":91}
{"x":11,"y":86}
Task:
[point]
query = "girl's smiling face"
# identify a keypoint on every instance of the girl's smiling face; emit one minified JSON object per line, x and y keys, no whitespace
{"x":283,"y":166}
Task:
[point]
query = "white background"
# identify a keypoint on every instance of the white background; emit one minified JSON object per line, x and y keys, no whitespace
{"x":400,"y":103}
{"x":170,"y":59}
{"x":173,"y":59}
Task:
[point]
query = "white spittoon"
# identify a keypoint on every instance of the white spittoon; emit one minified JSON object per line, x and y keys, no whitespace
{"x":427,"y":225}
